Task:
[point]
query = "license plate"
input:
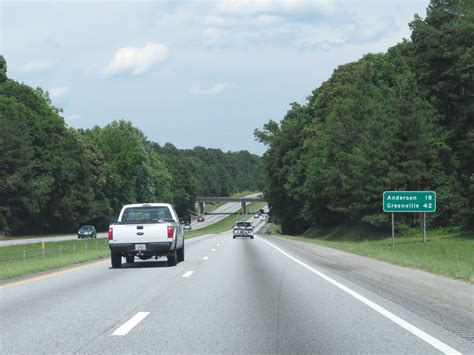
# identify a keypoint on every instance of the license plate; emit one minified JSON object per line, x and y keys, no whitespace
{"x":140,"y":246}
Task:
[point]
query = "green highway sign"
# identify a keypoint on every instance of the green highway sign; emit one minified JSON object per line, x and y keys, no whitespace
{"x":409,"y":201}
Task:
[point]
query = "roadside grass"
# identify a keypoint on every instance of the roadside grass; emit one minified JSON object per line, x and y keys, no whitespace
{"x":226,"y":223}
{"x":20,"y":260}
{"x":448,"y":252}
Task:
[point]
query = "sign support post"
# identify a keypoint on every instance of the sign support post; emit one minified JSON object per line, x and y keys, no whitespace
{"x":424,"y":227}
{"x":393,"y":229}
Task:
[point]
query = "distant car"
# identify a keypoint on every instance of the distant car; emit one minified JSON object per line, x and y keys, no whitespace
{"x":242,"y":229}
{"x":87,"y":232}
{"x":200,"y":219}
{"x":187,"y":226}
{"x":256,"y":215}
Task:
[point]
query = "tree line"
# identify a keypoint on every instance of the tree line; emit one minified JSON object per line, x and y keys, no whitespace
{"x":400,"y":120}
{"x":54,"y":178}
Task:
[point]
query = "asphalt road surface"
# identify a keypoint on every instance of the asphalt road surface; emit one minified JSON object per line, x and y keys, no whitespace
{"x":228,"y":296}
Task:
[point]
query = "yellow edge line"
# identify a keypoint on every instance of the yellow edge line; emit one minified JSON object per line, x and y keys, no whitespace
{"x":51,"y":274}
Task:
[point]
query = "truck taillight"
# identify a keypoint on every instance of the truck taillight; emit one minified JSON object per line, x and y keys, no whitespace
{"x":111,"y":234}
{"x":170,"y":232}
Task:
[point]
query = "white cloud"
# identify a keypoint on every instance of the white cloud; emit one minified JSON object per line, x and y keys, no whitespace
{"x":212,"y":36}
{"x":324,"y":36}
{"x":255,"y":7}
{"x":212,"y":90}
{"x":137,"y":60}
{"x":267,"y":20}
{"x":38,"y":65}
{"x":57,"y":93}
{"x":302,"y":24}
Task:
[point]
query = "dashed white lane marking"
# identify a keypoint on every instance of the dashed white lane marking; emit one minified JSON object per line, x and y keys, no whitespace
{"x":187,"y":273}
{"x":436,"y":343}
{"x":213,"y":249}
{"x":131,"y":323}
{"x":205,"y":258}
{"x":218,"y":244}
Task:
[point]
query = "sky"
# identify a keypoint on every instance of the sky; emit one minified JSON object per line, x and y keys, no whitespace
{"x":191,"y":73}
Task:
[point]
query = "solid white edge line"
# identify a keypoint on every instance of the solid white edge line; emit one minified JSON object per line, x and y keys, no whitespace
{"x":438,"y":344}
{"x":187,"y":273}
{"x":131,"y":323}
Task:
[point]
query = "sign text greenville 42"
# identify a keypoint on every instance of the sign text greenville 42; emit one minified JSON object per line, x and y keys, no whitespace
{"x":409,"y":201}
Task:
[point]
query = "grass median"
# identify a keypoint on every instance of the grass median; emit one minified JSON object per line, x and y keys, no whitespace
{"x":20,"y":260}
{"x":447,"y":252}
{"x":226,"y":223}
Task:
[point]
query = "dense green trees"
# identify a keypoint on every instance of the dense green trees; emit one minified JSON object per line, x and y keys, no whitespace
{"x":443,"y":61}
{"x":45,"y":181}
{"x":54,"y":178}
{"x":210,"y":172}
{"x":395,"y":121}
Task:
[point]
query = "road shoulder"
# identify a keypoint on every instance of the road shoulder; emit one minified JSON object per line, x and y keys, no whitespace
{"x":441,"y":300}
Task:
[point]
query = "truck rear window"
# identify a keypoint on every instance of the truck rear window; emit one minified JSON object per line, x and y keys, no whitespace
{"x":146,"y":215}
{"x":244,"y":224}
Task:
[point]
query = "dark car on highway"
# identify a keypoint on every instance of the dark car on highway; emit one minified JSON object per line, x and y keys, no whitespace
{"x":87,"y":232}
{"x":200,"y":219}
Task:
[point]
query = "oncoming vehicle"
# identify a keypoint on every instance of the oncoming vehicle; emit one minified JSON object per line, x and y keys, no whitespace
{"x":187,"y":226}
{"x":87,"y":232}
{"x":242,"y":229}
{"x":200,"y":219}
{"x":146,"y":230}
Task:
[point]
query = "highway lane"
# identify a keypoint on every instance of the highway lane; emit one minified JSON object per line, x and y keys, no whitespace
{"x":218,"y":214}
{"x":239,"y":296}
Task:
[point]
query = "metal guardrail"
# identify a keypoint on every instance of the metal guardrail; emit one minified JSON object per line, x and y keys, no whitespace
{"x":84,"y":247}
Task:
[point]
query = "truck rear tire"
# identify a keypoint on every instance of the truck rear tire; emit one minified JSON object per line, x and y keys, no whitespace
{"x":130,"y":259}
{"x":173,"y":258}
{"x":181,"y":253}
{"x":116,"y":260}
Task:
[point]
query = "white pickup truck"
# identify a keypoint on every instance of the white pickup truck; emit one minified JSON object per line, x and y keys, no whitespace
{"x":146,"y":230}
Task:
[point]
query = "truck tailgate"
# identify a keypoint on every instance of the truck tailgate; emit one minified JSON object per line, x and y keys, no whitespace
{"x":140,"y":233}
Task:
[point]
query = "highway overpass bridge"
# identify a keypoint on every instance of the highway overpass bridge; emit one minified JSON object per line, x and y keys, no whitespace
{"x":200,"y":200}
